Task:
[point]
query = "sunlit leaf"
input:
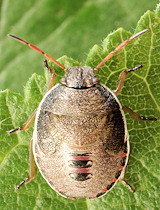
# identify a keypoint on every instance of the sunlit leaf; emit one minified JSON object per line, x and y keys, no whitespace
{"x":141,"y":92}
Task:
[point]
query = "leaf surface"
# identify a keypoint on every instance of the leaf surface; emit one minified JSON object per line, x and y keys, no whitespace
{"x":141,"y":92}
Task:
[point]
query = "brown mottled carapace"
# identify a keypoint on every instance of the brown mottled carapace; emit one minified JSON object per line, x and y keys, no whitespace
{"x":81,"y":142}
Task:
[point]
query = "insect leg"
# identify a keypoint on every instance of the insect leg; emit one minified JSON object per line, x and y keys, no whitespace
{"x":32,"y":168}
{"x":53,"y":75}
{"x":122,"y":78}
{"x":31,"y":118}
{"x":137,"y":116}
{"x":25,"y":125}
{"x":128,"y":185}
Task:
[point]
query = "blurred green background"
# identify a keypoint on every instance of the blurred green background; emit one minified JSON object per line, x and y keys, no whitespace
{"x":59,"y":27}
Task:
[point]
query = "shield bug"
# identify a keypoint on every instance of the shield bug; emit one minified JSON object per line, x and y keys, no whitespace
{"x":80,"y":140}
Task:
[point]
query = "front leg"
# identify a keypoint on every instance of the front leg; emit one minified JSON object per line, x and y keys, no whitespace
{"x":53,"y":75}
{"x":122,"y":78}
{"x":26,"y":125}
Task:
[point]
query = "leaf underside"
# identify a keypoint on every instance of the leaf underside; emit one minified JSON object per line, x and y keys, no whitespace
{"x":141,"y":93}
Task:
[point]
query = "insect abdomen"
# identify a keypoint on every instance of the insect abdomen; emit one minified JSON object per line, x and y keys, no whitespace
{"x":84,"y":150}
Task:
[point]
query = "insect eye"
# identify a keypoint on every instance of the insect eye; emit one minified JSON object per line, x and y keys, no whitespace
{"x":63,"y":81}
{"x":95,"y":80}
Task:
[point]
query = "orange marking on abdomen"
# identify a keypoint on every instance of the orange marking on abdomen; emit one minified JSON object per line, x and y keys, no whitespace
{"x":80,"y":170}
{"x":123,"y":154}
{"x":80,"y":158}
{"x":121,"y":167}
{"x":104,"y":190}
{"x":114,"y":180}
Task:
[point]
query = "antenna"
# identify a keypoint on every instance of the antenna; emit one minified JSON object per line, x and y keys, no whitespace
{"x":119,"y":48}
{"x":39,"y":51}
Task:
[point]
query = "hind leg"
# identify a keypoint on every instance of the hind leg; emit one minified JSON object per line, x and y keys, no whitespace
{"x":32,"y":168}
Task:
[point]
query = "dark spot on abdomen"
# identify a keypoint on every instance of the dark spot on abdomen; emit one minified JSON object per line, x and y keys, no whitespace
{"x":80,"y":163}
{"x":80,"y":176}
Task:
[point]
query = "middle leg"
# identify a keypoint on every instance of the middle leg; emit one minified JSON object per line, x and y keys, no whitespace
{"x":25,"y":125}
{"x":137,"y":116}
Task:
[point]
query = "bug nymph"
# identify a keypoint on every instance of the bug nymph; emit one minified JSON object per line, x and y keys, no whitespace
{"x":80,"y":77}
{"x":80,"y":141}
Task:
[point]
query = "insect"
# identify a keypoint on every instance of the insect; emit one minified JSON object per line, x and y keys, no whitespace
{"x":80,"y":140}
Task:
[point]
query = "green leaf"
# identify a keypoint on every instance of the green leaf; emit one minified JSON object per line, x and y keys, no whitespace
{"x":60,"y":28}
{"x":141,"y":92}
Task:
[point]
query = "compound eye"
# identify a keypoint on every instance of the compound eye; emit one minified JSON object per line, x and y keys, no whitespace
{"x":63,"y":81}
{"x":95,"y":80}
